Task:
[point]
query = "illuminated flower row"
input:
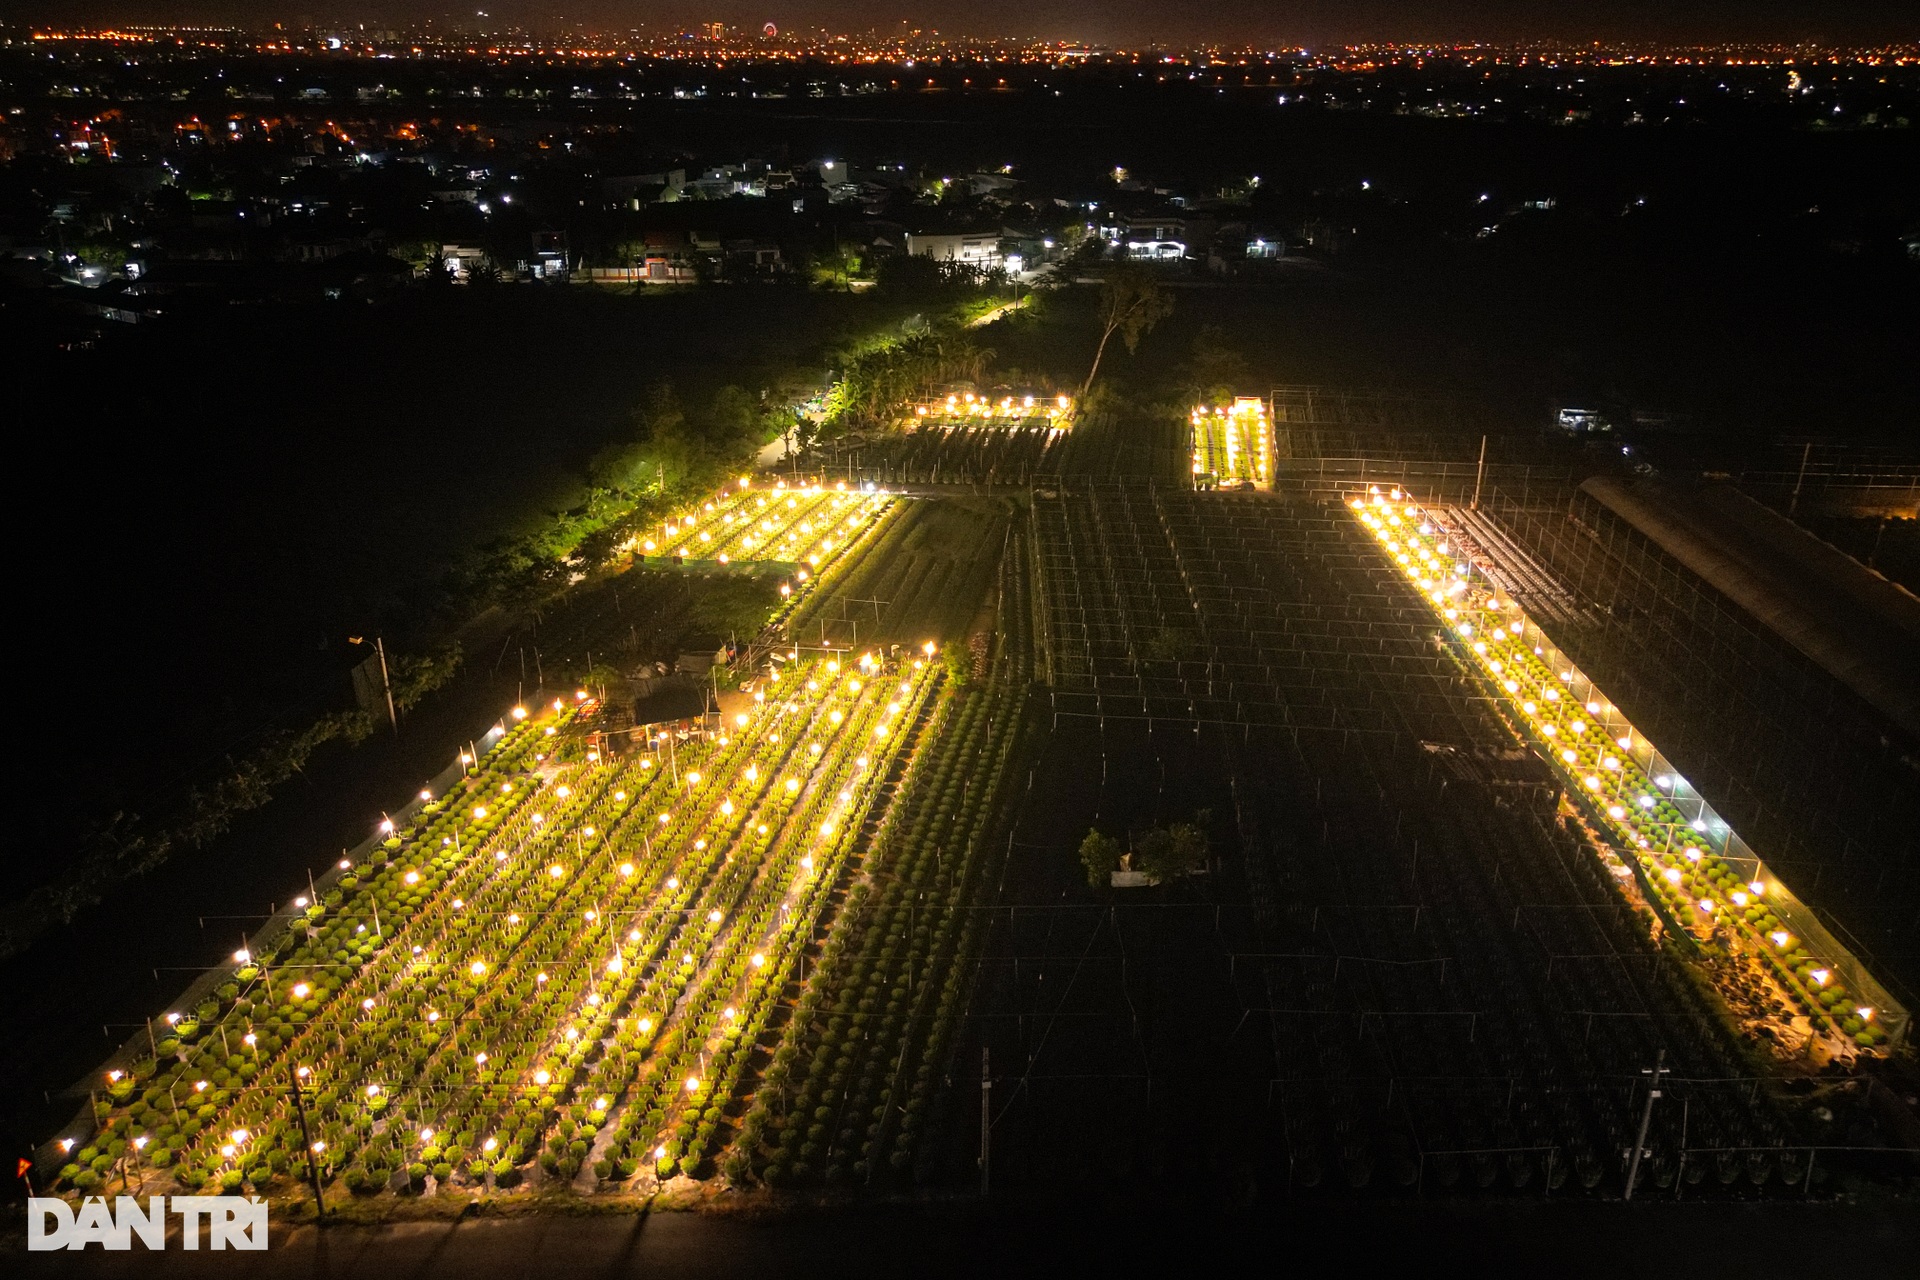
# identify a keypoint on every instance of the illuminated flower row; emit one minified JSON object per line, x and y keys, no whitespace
{"x":1686,"y":863}
{"x":967,"y":409}
{"x":1233,"y":445}
{"x":367,"y":906}
{"x":804,"y":525}
{"x":585,"y":902}
{"x":740,"y":981}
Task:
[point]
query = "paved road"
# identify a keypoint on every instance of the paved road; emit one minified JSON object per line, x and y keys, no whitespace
{"x":1535,"y":1240}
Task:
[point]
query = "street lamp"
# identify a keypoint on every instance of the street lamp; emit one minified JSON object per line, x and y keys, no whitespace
{"x":386,"y":681}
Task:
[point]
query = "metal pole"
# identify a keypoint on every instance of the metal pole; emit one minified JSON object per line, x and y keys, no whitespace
{"x":306,"y":1136}
{"x":1646,"y":1116}
{"x":1793,"y":503}
{"x":1478,"y":475}
{"x":986,"y":1117}
{"x":1680,"y":1166}
{"x":386,"y":682}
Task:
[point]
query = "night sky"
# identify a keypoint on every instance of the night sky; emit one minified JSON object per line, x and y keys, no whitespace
{"x":1276,"y":21}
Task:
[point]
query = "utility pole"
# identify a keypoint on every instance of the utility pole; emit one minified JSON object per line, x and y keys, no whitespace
{"x":1646,"y":1116}
{"x":386,"y":681}
{"x":306,"y":1136}
{"x":986,"y":1117}
{"x":1793,"y":503}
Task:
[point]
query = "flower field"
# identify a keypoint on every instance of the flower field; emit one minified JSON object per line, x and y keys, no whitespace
{"x":1232,"y":445}
{"x":562,"y":965}
{"x":1702,"y":881}
{"x":574,"y":969}
{"x":961,"y":439}
{"x":965,"y":410}
{"x":802,"y":525}
{"x":850,"y":1091}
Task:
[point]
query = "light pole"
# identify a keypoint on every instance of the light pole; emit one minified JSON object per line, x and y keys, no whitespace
{"x":386,"y":681}
{"x":306,"y":1136}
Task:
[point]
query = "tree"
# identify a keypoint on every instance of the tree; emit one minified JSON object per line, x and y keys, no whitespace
{"x":879,"y":381}
{"x":660,"y":413}
{"x":415,"y":675}
{"x":1153,"y":853}
{"x":1167,"y":853}
{"x":732,"y":414}
{"x":417,"y":254}
{"x":1216,"y":369}
{"x":1100,"y":855}
{"x":621,"y":468}
{"x":1132,"y":302}
{"x":598,"y":676}
{"x":672,"y":445}
{"x":102,"y":253}
{"x":1189,"y":846}
{"x":628,"y":252}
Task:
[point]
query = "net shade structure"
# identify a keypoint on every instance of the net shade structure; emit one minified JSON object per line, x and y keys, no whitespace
{"x":1695,"y":872}
{"x":1232,"y":445}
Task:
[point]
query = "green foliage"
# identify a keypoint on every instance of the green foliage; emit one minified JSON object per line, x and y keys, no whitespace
{"x":723,"y":606}
{"x":917,"y":275}
{"x":1166,"y":853}
{"x":102,"y":253}
{"x":415,"y":675}
{"x":1215,"y":370}
{"x":1100,"y":855}
{"x":1132,"y":302}
{"x":880,"y":380}
{"x":733,"y":415}
{"x":418,"y":254}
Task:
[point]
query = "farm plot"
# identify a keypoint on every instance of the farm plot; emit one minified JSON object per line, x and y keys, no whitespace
{"x":923,"y":574}
{"x":800,"y":525}
{"x":578,"y":969}
{"x":1695,"y":871}
{"x":1232,"y":445}
{"x":938,"y":452}
{"x":1126,"y":445}
{"x":1022,"y":410}
{"x":560,"y":967}
{"x":858,"y":1078}
{"x":1453,"y":992}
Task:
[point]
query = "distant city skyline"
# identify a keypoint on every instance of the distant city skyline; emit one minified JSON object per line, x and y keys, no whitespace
{"x":1107,"y":21}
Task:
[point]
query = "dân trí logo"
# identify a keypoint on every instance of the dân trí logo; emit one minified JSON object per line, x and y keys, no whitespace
{"x":232,"y":1222}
